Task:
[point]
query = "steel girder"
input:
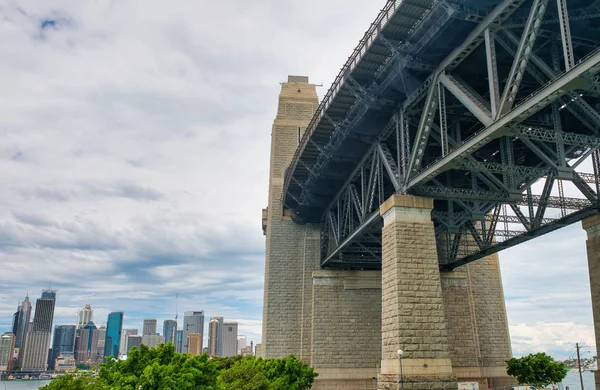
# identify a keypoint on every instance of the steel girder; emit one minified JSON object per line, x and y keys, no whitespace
{"x":494,"y":177}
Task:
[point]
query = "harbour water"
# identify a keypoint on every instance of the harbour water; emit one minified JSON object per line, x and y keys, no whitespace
{"x":572,"y":380}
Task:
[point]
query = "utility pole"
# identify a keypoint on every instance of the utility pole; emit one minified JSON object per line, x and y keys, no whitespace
{"x":579,"y":365}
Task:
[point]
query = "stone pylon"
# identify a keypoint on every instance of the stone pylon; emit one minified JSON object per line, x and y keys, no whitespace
{"x":292,"y":250}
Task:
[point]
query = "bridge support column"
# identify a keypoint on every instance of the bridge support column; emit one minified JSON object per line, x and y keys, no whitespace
{"x":346,"y":329}
{"x":592,"y":227}
{"x":413,"y":317}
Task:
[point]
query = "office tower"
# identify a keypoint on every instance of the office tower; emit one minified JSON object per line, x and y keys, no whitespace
{"x":101,"y":331}
{"x":21,"y":326}
{"x":230,"y":339}
{"x":170,"y":331}
{"x":193,"y":322}
{"x":152,"y":340}
{"x":84,"y":316}
{"x":132,"y":340}
{"x":194,"y":346}
{"x":37,"y":344}
{"x":241,"y":343}
{"x":149,"y":327}
{"x":124,"y":334}
{"x":7,"y":346}
{"x":114,"y":326}
{"x":179,"y":346}
{"x":86,"y":343}
{"x":215,"y":336}
{"x":63,"y":342}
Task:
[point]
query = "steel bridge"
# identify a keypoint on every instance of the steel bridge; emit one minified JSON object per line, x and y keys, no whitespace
{"x":489,"y":107}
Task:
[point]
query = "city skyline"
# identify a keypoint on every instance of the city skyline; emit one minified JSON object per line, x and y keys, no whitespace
{"x":88,"y":313}
{"x":166,"y":145}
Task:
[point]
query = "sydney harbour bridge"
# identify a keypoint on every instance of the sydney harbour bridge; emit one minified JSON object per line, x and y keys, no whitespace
{"x":488,"y":108}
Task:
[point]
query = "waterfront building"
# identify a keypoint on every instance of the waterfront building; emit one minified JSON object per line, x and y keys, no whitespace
{"x":194,"y":346}
{"x":230,"y":339}
{"x":7,"y":346}
{"x":84,"y":316}
{"x":62,"y":342}
{"x":149,"y":327}
{"x":37,"y":343}
{"x":193,"y":322}
{"x":86,"y":344}
{"x":114,"y":327}
{"x":215,"y":336}
{"x":64,"y":363}
{"x":20,"y":327}
{"x":170,"y":331}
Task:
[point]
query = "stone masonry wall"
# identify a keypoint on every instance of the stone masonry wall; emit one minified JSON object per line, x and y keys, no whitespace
{"x":346,"y":320}
{"x":292,"y":251}
{"x":413,"y":316}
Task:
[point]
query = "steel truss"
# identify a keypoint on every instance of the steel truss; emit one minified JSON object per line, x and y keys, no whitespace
{"x":494,"y":160}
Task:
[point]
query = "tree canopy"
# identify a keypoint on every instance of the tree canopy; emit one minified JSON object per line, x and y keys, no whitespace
{"x":162,"y":368}
{"x":536,"y":370}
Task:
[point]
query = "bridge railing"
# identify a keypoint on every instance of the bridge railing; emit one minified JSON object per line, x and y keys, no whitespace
{"x":366,"y":41}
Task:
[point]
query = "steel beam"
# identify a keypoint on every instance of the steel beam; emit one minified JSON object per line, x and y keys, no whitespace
{"x":517,"y":70}
{"x":531,"y":105}
{"x":469,"y":98}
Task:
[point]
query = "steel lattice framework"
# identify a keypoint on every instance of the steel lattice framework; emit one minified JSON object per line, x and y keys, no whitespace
{"x":489,"y":107}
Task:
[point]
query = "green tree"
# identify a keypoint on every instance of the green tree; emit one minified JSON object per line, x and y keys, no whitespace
{"x":82,"y":366}
{"x":536,"y":370}
{"x":69,"y":382}
{"x":250,"y":373}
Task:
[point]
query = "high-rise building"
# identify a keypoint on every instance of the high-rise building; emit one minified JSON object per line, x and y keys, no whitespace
{"x":149,"y":327}
{"x":101,"y":342}
{"x":7,"y":346}
{"x":86,"y":344}
{"x":170,"y":331}
{"x":114,"y":326}
{"x":132,"y":340}
{"x":215,"y":336}
{"x":124,"y":334}
{"x":241,"y":343}
{"x":193,"y":322}
{"x":84,"y":316}
{"x":37,"y":344}
{"x":152,"y":340}
{"x":179,"y":345}
{"x":230,"y":339}
{"x":194,"y":346}
{"x":21,"y":321}
{"x":63,"y":342}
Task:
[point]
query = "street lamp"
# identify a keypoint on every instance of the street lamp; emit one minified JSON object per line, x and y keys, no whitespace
{"x":400,"y":353}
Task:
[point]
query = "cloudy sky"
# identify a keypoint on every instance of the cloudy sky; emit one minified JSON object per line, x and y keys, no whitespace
{"x":134,"y":145}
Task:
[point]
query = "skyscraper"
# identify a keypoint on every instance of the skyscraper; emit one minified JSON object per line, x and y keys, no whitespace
{"x":241,"y":343}
{"x":193,"y":322}
{"x":101,"y":341}
{"x":215,"y":336}
{"x":149,"y":328}
{"x":170,"y":331}
{"x":21,"y":326}
{"x":7,"y":346}
{"x":194,"y":346}
{"x":86,"y":344}
{"x":179,"y":344}
{"x":37,"y":344}
{"x":62,"y":342}
{"x":124,"y":334}
{"x":84,"y":316}
{"x":230,"y":339}
{"x":114,"y":326}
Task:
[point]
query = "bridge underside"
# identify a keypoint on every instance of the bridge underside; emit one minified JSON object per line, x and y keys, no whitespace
{"x":488,"y":107}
